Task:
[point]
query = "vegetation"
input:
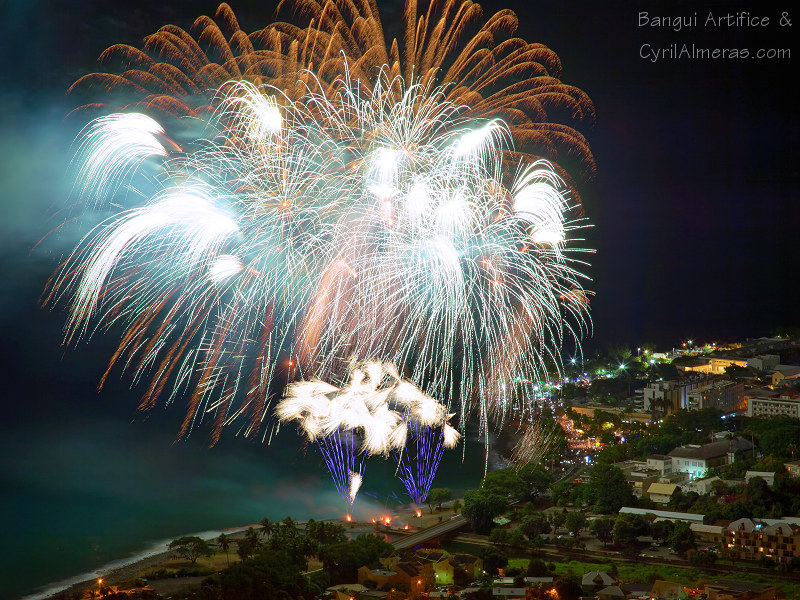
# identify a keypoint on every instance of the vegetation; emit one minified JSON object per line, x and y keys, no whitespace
{"x":437,"y":497}
{"x":190,"y":547}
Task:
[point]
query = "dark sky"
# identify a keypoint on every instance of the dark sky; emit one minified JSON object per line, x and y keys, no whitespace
{"x":693,"y":208}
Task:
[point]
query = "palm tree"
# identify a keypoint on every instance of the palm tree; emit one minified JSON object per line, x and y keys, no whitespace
{"x":222,"y":542}
{"x":267,"y":527}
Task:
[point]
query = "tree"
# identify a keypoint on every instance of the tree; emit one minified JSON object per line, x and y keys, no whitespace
{"x":493,"y":559}
{"x":324,"y":533}
{"x":269,"y":574}
{"x":190,"y":547}
{"x":535,"y":524}
{"x":535,"y":479}
{"x":602,"y":529}
{"x":438,"y":496}
{"x":246,"y":547}
{"x":574,"y":522}
{"x":558,"y":519}
{"x":341,"y":561}
{"x":608,"y":489}
{"x":481,"y":507}
{"x":682,"y":538}
{"x":267,"y":527}
{"x":456,"y":506}
{"x":537,"y":568}
{"x":504,"y":482}
{"x":661,"y":530}
{"x":224,"y":544}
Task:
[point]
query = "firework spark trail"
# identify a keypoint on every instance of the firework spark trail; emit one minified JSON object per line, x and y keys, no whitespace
{"x":377,"y":406}
{"x":418,"y":464}
{"x":353,"y":225}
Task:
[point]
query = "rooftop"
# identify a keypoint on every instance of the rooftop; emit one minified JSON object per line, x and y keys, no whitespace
{"x":712,"y":450}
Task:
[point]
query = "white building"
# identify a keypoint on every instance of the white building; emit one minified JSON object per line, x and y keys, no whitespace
{"x":695,"y":460}
{"x":786,"y":403}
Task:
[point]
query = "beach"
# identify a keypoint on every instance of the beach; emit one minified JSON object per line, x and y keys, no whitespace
{"x":127,"y":570}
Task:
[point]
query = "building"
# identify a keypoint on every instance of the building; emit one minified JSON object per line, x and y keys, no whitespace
{"x":511,"y":593}
{"x":754,"y":539}
{"x":627,"y":416}
{"x":594,"y":581}
{"x":383,"y":576}
{"x":701,"y":486}
{"x":712,"y":535}
{"x":612,"y":592}
{"x":783,"y":372}
{"x":660,"y":462}
{"x":725,"y":395}
{"x":793,"y":468}
{"x":641,"y":479}
{"x":715,"y":365}
{"x":669,"y":396}
{"x":785,"y":403}
{"x":733,"y":589}
{"x":471,"y":565}
{"x":663,"y":514}
{"x":767,"y":476}
{"x":695,"y":460}
{"x":665,"y":590}
{"x":765,"y":362}
{"x":661,"y":493}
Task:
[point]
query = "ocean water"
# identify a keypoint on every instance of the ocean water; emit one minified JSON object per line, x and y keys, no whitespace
{"x":80,"y":497}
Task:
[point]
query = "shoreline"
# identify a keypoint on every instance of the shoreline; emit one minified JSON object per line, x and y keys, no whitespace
{"x":126,"y":569}
{"x":123,"y":569}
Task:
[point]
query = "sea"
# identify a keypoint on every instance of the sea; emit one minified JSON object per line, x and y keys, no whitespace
{"x":82,"y":500}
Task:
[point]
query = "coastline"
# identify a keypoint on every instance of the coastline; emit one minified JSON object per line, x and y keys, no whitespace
{"x":124,"y":569}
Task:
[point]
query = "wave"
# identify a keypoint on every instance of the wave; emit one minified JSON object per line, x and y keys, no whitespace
{"x":154,"y":549}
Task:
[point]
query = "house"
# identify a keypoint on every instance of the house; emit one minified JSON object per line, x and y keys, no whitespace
{"x":701,"y":486}
{"x":440,"y":563}
{"x":346,"y":591}
{"x":472,"y":565}
{"x":383,"y":577}
{"x":612,"y":592}
{"x":661,"y":493}
{"x":751,"y":540}
{"x":731,"y":589}
{"x":783,"y":372}
{"x":793,"y":468}
{"x":767,"y":476}
{"x":636,"y":590}
{"x":593,"y":581}
{"x":695,"y":459}
{"x":665,"y":590}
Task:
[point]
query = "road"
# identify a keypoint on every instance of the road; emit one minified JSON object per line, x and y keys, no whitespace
{"x":452,"y":524}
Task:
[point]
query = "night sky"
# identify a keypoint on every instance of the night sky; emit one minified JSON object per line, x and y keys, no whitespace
{"x":694,"y":208}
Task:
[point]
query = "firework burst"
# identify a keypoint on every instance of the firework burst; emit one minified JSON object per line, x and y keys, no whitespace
{"x":330,"y":229}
